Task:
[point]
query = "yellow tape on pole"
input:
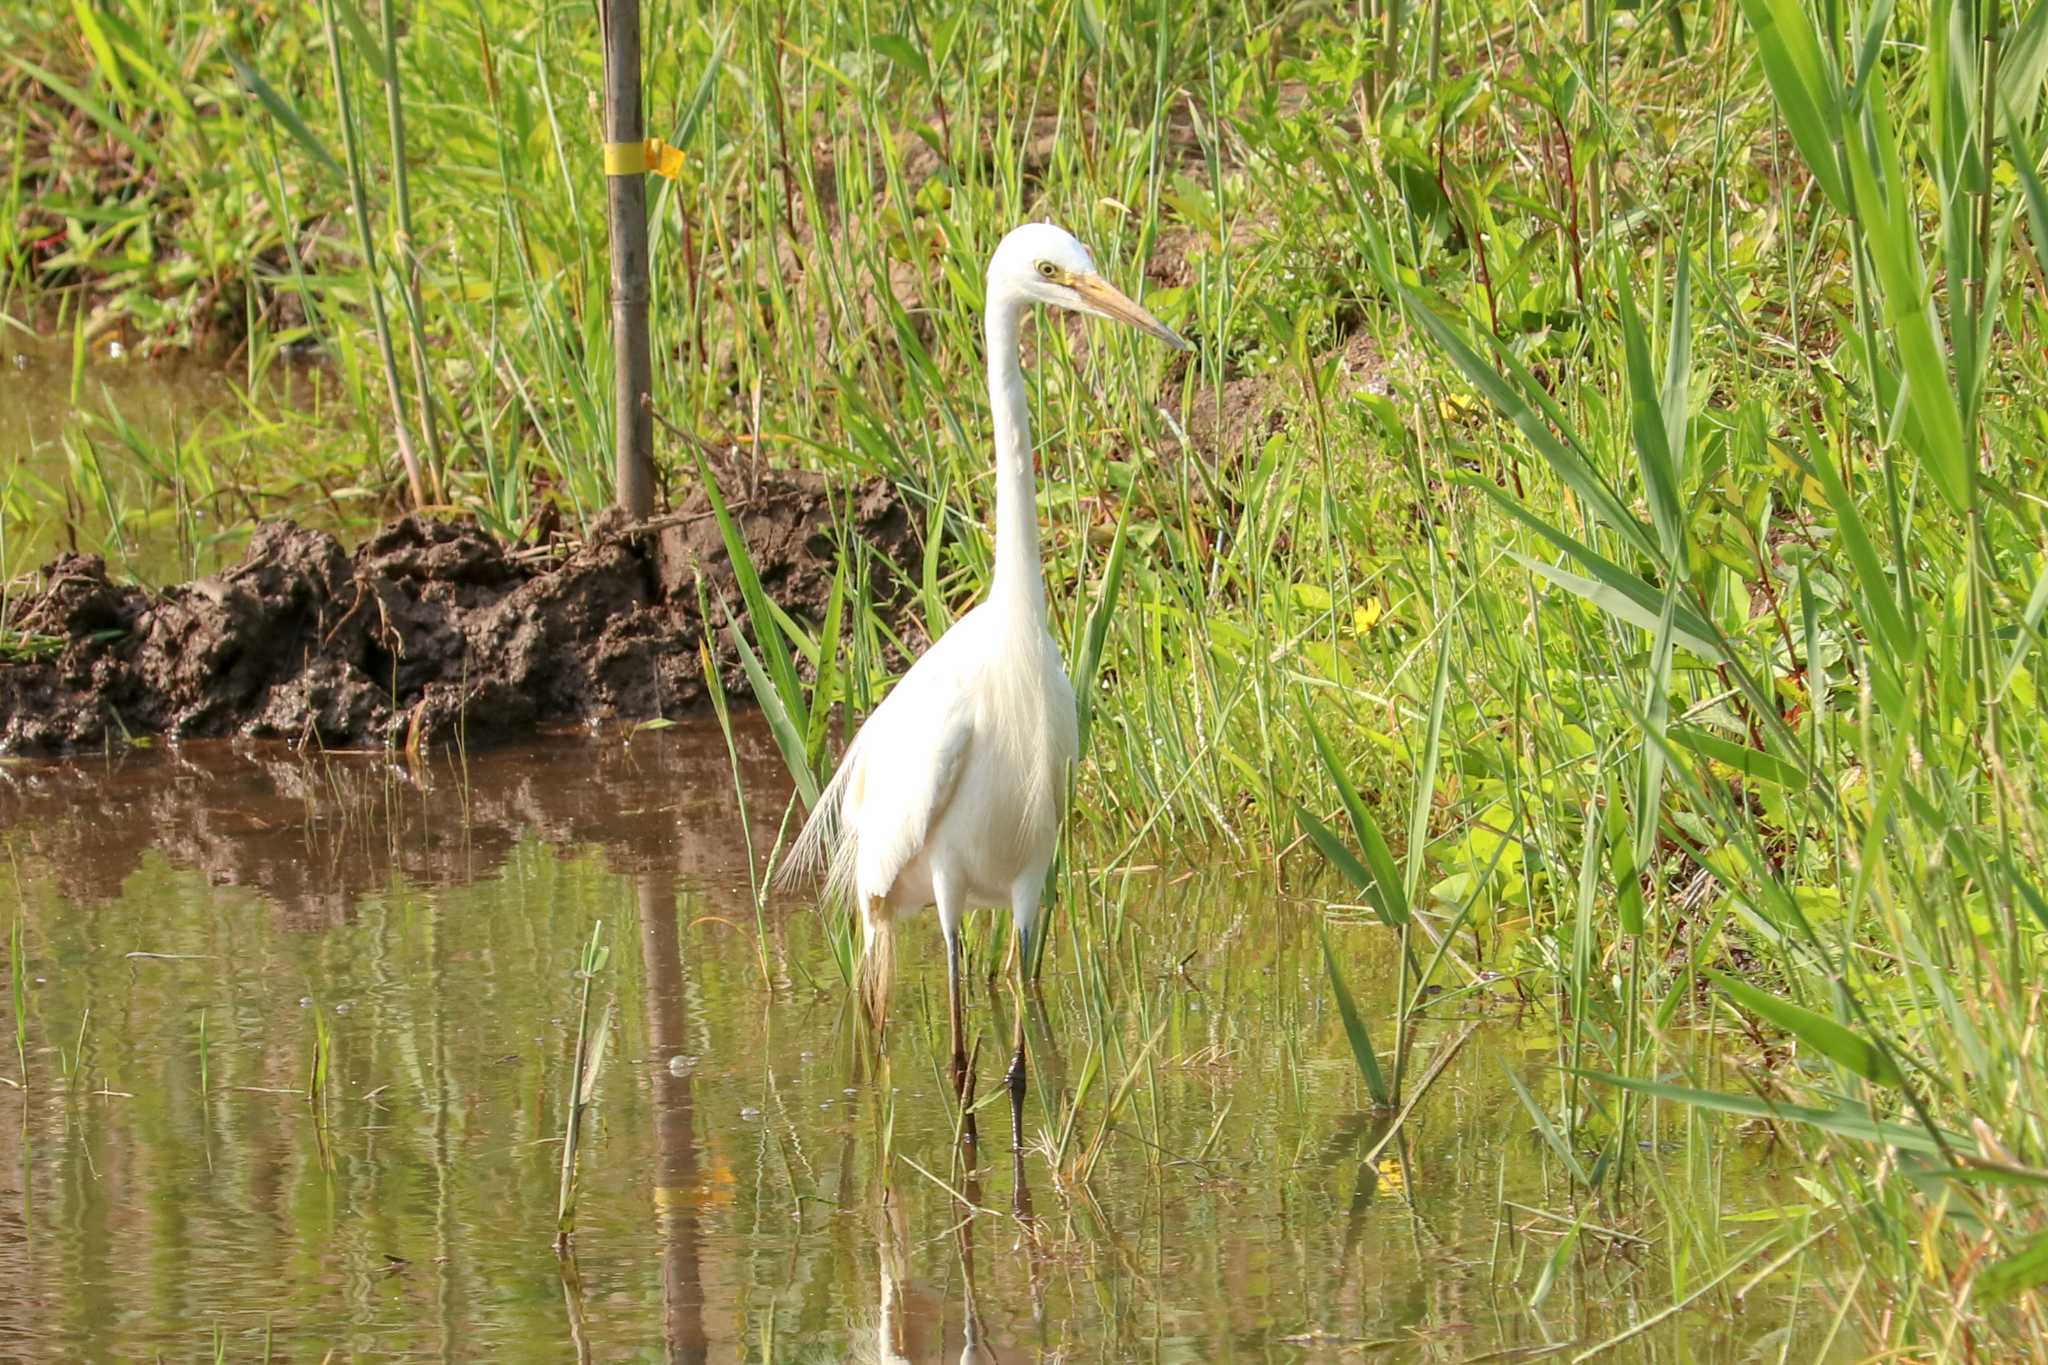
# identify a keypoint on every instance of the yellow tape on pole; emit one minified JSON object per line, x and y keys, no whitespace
{"x":638,"y":158}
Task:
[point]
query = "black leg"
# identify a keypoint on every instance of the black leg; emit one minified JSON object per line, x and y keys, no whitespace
{"x":963,"y":1077}
{"x":1016,"y":1076}
{"x":1016,"y":1079}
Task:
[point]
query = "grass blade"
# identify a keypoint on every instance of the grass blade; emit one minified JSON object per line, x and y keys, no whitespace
{"x":1389,"y":894}
{"x":1822,"y":1034}
{"x":1854,"y":1124}
{"x":1354,"y":1029}
{"x":1088,"y":659}
{"x":285,"y":112}
{"x":1342,"y":858}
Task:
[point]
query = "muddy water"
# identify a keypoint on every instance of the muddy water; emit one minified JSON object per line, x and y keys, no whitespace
{"x":152,"y":463}
{"x":752,"y":1187}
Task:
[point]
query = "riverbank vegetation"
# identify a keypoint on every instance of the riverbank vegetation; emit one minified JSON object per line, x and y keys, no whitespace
{"x":1603,"y":514}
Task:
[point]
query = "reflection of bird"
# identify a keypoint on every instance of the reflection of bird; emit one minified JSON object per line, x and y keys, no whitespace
{"x":951,"y":794}
{"x":911,"y":1322}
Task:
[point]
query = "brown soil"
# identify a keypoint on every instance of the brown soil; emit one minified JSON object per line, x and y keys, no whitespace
{"x":1234,"y":426}
{"x":429,"y":632}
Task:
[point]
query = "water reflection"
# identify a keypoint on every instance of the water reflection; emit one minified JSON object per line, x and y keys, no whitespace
{"x":675,"y":1188}
{"x":1198,"y":1182}
{"x":914,"y":1323}
{"x":314,"y":833}
{"x":184,"y":407}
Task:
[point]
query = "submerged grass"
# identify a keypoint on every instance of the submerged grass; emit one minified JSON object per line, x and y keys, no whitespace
{"x":586,"y":1066}
{"x":1609,"y":476}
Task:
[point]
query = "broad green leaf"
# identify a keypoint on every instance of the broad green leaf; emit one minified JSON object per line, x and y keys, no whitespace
{"x":902,"y":52}
{"x":367,"y":46}
{"x":1613,"y":589}
{"x":1615,"y":597}
{"x":781,"y":668}
{"x":1677,"y":402}
{"x":2023,"y":63}
{"x":2030,"y":628}
{"x":1994,"y":1175}
{"x":2035,"y":902}
{"x":109,"y":123}
{"x":1655,"y":723}
{"x":2020,"y":1271}
{"x":1792,"y":61}
{"x":600,"y":1043}
{"x":1892,"y":628}
{"x":1853,"y":1124}
{"x":1421,"y":802}
{"x":1653,"y":442}
{"x":1817,"y":1031}
{"x":789,"y":736}
{"x":706,"y":83}
{"x":1547,"y":1129}
{"x":1754,"y":764}
{"x":102,"y":50}
{"x":1311,"y":596}
{"x":1927,"y":402}
{"x":1623,"y":866}
{"x":1554,"y":1265}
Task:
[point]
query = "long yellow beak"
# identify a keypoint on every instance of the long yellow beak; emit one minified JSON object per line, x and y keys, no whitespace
{"x":1110,"y":301}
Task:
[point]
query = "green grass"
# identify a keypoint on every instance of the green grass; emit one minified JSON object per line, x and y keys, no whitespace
{"x":1665,"y":576}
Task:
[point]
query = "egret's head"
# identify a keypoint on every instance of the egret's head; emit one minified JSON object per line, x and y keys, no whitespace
{"x":1048,"y":264}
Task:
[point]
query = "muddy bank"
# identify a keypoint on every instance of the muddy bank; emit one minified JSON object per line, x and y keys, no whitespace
{"x":428,"y":633}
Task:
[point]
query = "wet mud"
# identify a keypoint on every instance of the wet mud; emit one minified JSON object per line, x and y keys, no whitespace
{"x":431,"y":632}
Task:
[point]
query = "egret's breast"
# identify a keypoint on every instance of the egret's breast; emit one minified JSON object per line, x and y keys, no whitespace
{"x":1005,"y":819}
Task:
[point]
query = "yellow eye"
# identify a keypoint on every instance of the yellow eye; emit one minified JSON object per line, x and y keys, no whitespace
{"x":1048,"y":269}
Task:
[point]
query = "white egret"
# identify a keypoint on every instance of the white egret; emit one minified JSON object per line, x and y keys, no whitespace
{"x":951,"y":794}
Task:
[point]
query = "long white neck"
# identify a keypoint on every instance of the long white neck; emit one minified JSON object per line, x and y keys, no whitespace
{"x":1020,"y":580}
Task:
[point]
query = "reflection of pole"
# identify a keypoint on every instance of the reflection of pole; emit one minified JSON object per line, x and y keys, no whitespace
{"x":675,"y":1138}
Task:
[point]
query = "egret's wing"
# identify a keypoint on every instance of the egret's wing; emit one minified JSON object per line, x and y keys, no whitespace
{"x":912,"y":752}
{"x":894,"y":781}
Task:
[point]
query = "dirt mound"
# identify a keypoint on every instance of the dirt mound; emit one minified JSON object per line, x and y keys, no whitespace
{"x":430,"y":631}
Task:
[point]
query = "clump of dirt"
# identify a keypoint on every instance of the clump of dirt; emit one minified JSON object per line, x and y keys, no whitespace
{"x":429,"y":631}
{"x":1234,"y":424}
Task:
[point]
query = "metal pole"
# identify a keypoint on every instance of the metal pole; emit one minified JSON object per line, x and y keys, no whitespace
{"x":626,"y":201}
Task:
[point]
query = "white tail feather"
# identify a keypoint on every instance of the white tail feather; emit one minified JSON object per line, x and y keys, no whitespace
{"x":825,"y":842}
{"x":877,"y":971}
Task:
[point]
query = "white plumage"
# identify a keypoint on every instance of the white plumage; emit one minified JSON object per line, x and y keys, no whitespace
{"x":951,"y":794}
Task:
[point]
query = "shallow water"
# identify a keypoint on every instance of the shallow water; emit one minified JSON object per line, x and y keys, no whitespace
{"x":154,"y":463}
{"x":194,"y":921}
